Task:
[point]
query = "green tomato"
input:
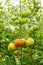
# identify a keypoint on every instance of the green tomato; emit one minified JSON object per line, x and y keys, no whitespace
{"x":37,"y":2}
{"x":33,"y":29}
{"x":38,"y":6}
{"x":16,"y":21}
{"x":22,"y":20}
{"x":26,"y":13}
{"x":13,"y":17}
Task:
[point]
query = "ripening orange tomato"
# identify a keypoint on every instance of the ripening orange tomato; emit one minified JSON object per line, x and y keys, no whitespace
{"x":19,"y":42}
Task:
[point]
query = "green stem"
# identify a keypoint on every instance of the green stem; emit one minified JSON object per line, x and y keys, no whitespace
{"x":20,"y":7}
{"x":21,"y":56}
{"x":21,"y":47}
{"x":20,"y":35}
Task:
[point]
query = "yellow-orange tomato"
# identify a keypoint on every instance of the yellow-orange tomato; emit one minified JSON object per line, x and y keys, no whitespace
{"x":29,"y":42}
{"x":11,"y":47}
{"x":19,"y":42}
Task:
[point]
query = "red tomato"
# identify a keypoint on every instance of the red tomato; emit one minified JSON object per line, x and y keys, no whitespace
{"x":19,"y":42}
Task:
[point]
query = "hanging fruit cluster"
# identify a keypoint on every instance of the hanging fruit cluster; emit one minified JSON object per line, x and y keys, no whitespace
{"x":20,"y":43}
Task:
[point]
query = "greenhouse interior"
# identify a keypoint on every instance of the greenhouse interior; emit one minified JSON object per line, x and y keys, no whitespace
{"x":21,"y":32}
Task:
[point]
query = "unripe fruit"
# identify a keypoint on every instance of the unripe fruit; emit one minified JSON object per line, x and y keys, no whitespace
{"x":29,"y":42}
{"x":16,"y":21}
{"x":33,"y":29}
{"x":19,"y":42}
{"x":13,"y":17}
{"x":37,"y":2}
{"x":26,"y":13}
{"x":22,"y":20}
{"x":11,"y":47}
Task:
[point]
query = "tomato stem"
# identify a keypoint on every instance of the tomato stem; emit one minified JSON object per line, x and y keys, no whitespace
{"x":21,"y":56}
{"x":20,"y":35}
{"x":20,"y":7}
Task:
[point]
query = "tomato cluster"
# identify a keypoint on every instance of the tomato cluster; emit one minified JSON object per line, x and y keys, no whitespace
{"x":23,"y":19}
{"x":20,"y":43}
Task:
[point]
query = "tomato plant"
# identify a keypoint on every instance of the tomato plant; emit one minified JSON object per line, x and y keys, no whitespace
{"x":21,"y":33}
